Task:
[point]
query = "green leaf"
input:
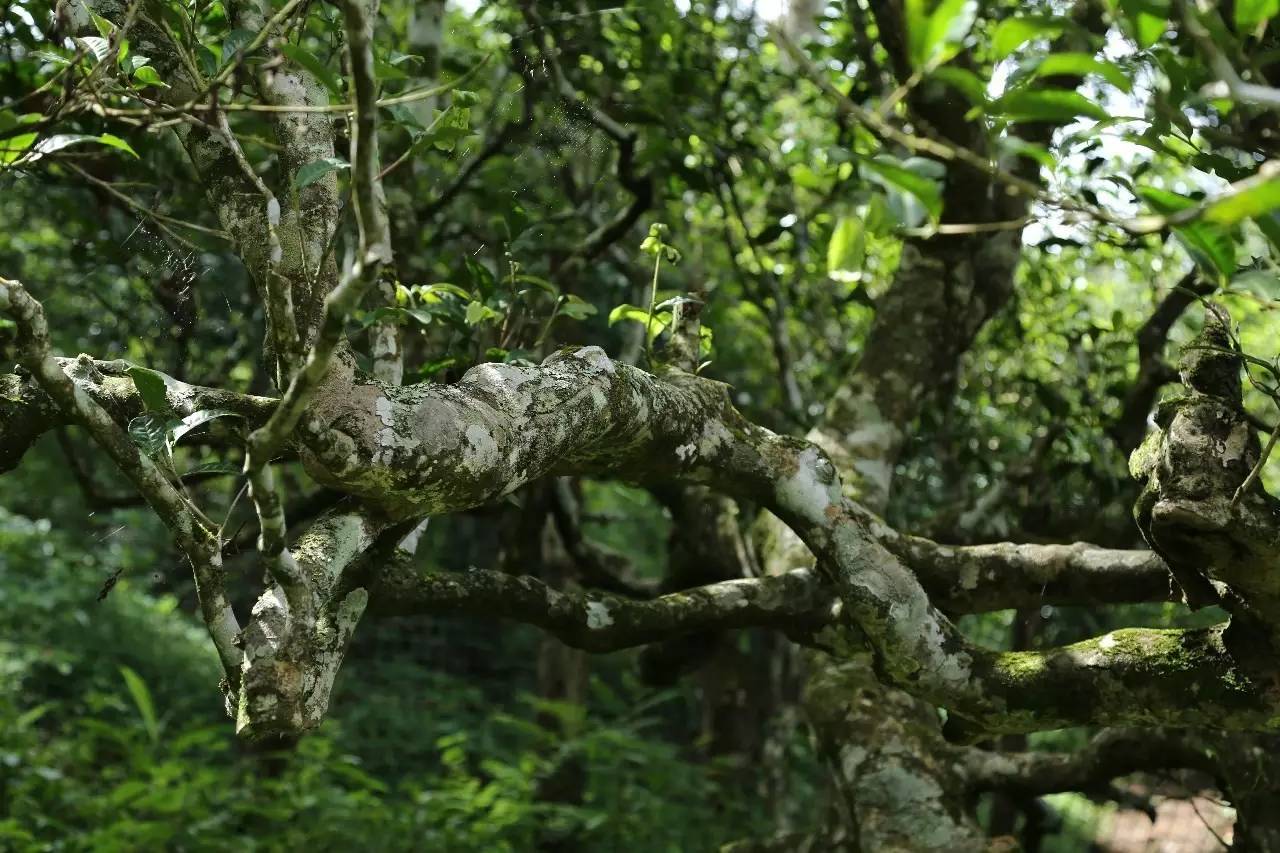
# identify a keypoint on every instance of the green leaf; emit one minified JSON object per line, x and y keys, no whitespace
{"x":1025,"y":105}
{"x":213,"y":466}
{"x":113,"y":141}
{"x":1270,"y":225}
{"x":1148,"y":19}
{"x":314,"y":171}
{"x":1250,"y":13}
{"x":150,"y":432}
{"x":99,"y":47}
{"x":432,"y":290}
{"x":804,"y":176}
{"x":942,"y":31}
{"x":1082,"y":65}
{"x":235,"y":41}
{"x":431,"y":368}
{"x":148,"y":76}
{"x":58,"y":141}
{"x":448,"y":127}
{"x":973,"y":87}
{"x":142,"y":699}
{"x":921,"y":187}
{"x":575,"y":308}
{"x":1257,"y":198}
{"x":636,"y":314}
{"x":1012,"y":33}
{"x":478,"y":312}
{"x":197,"y":419}
{"x":540,"y":283}
{"x":848,"y":247}
{"x":1209,"y":244}
{"x":151,"y":385}
{"x":105,"y":28}
{"x":308,"y":61}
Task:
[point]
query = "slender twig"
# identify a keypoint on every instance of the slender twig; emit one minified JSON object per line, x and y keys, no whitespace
{"x":160,"y":219}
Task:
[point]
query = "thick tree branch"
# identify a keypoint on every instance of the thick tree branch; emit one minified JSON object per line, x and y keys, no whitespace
{"x":425,"y":450}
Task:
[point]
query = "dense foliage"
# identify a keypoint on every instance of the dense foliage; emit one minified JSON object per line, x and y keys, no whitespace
{"x":1001,"y":223}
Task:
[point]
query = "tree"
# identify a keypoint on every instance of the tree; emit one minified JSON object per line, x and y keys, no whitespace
{"x":992,"y":186}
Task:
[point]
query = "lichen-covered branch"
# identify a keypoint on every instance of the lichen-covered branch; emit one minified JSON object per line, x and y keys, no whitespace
{"x":295,"y":640}
{"x":374,"y":243}
{"x":981,"y":578}
{"x":426,"y":450}
{"x":27,"y":411}
{"x":601,"y":622}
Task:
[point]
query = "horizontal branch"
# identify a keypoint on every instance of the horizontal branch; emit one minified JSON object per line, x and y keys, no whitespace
{"x":1002,"y":575}
{"x":599,"y":622}
{"x":27,"y":411}
{"x":1109,"y":755}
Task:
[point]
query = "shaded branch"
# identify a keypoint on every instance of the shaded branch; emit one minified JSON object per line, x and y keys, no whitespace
{"x":1109,"y":755}
{"x":599,"y":622}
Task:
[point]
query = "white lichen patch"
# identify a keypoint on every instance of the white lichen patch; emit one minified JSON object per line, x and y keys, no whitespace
{"x":685,"y":452}
{"x":1236,"y":445}
{"x":1108,"y":642}
{"x":598,"y":615}
{"x":482,"y":454}
{"x":389,"y":441}
{"x":385,"y":411}
{"x":804,"y":492}
{"x":714,"y":436}
{"x":597,"y":358}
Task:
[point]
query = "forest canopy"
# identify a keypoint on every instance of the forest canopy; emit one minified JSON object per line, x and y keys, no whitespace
{"x":664,"y":426}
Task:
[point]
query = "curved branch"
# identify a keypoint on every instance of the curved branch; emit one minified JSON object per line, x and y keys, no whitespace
{"x":427,"y":449}
{"x":1109,"y":755}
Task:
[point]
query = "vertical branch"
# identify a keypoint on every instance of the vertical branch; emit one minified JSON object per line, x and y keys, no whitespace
{"x":282,"y":324}
{"x":374,"y":251}
{"x":310,"y":214}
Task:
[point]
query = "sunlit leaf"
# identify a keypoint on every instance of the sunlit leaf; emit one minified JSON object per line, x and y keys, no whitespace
{"x":1057,"y":105}
{"x":1208,"y":243}
{"x":1012,"y":33}
{"x":848,"y":245}
{"x":151,"y":385}
{"x":1250,"y":13}
{"x":1082,"y":65}
{"x":148,"y":76}
{"x":1257,"y":198}
{"x":197,"y":419}
{"x":934,"y":38}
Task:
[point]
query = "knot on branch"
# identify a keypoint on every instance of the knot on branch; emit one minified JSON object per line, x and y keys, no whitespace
{"x":1192,"y":510}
